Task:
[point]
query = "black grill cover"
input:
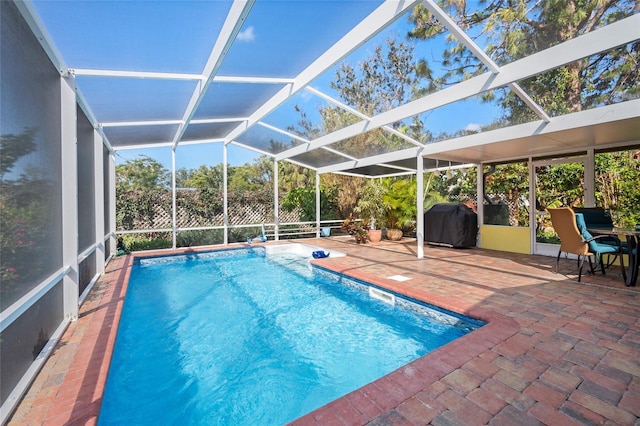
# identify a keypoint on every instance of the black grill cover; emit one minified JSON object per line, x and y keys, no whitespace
{"x":451,"y":224}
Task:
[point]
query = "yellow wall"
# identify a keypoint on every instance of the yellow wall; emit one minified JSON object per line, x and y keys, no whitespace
{"x":505,"y":238}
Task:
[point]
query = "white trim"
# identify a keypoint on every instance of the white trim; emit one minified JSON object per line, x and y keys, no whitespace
{"x":17,"y":308}
{"x":252,"y":80}
{"x":318,"y":212}
{"x":198,"y":142}
{"x":69,"y":201}
{"x":225,"y":190}
{"x":140,"y":123}
{"x":86,"y":72}
{"x":112,"y":204}
{"x":144,"y":231}
{"x":174,"y":232}
{"x":276,"y":200}
{"x":142,"y":146}
{"x":98,"y":196}
{"x":420,"y":206}
{"x":218,"y":120}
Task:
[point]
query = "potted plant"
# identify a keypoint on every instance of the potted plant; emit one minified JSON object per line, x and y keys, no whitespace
{"x":359,"y":229}
{"x":370,"y":205}
{"x":400,"y":203}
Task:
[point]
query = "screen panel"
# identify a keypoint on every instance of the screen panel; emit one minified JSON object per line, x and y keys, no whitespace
{"x":86,"y":183}
{"x":28,"y":334}
{"x":30,"y":149}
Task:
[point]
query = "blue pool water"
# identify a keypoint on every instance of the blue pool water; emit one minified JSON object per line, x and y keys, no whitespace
{"x":233,"y":338}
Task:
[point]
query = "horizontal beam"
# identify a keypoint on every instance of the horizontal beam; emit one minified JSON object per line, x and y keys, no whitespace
{"x":592,"y":117}
{"x":86,"y":72}
{"x":135,"y":74}
{"x":140,"y":123}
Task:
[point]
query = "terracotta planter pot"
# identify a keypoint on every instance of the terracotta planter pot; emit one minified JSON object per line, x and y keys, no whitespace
{"x":375,"y":235}
{"x":394,"y":234}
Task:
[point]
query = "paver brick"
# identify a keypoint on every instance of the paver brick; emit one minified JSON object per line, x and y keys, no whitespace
{"x":486,"y":400}
{"x":545,"y":394}
{"x":552,"y":416}
{"x":514,"y":381}
{"x":564,"y":381}
{"x":602,"y":408}
{"x":462,"y":381}
{"x":630,"y":402}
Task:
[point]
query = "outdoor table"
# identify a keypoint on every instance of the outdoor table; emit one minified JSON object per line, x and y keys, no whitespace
{"x":633,"y":243}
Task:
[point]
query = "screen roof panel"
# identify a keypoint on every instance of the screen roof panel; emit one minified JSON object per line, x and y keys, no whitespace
{"x":372,"y":143}
{"x":310,"y":116}
{"x":140,"y":135}
{"x":204,"y":131}
{"x":227,"y":100}
{"x":130,"y":35}
{"x":135,"y":99}
{"x":318,"y":158}
{"x":267,"y":140}
{"x":282,"y":38}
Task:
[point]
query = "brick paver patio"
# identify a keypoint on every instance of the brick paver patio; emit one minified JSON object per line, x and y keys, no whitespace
{"x":554,"y":351}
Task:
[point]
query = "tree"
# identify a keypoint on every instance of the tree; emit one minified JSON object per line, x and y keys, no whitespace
{"x":371,"y":205}
{"x":512,"y":30}
{"x":304,"y":198}
{"x":205,"y":178}
{"x":142,"y":173}
{"x":256,"y":176}
{"x":618,"y":186}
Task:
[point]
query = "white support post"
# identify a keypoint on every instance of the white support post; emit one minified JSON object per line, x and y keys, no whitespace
{"x":420,"y":206}
{"x":98,"y":191}
{"x":480,"y":200}
{"x":590,"y":179}
{"x":276,"y":201}
{"x":318,"y":205}
{"x":69,"y":196}
{"x":112,"y":203}
{"x":225,"y":200}
{"x":532,"y":205}
{"x":173,"y":198}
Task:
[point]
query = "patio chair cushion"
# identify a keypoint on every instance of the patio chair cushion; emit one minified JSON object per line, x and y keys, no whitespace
{"x":595,"y":247}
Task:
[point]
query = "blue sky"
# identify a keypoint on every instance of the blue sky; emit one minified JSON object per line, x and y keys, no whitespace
{"x":279,"y":39}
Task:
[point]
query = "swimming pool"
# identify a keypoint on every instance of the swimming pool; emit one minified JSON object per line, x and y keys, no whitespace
{"x":233,"y":337}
